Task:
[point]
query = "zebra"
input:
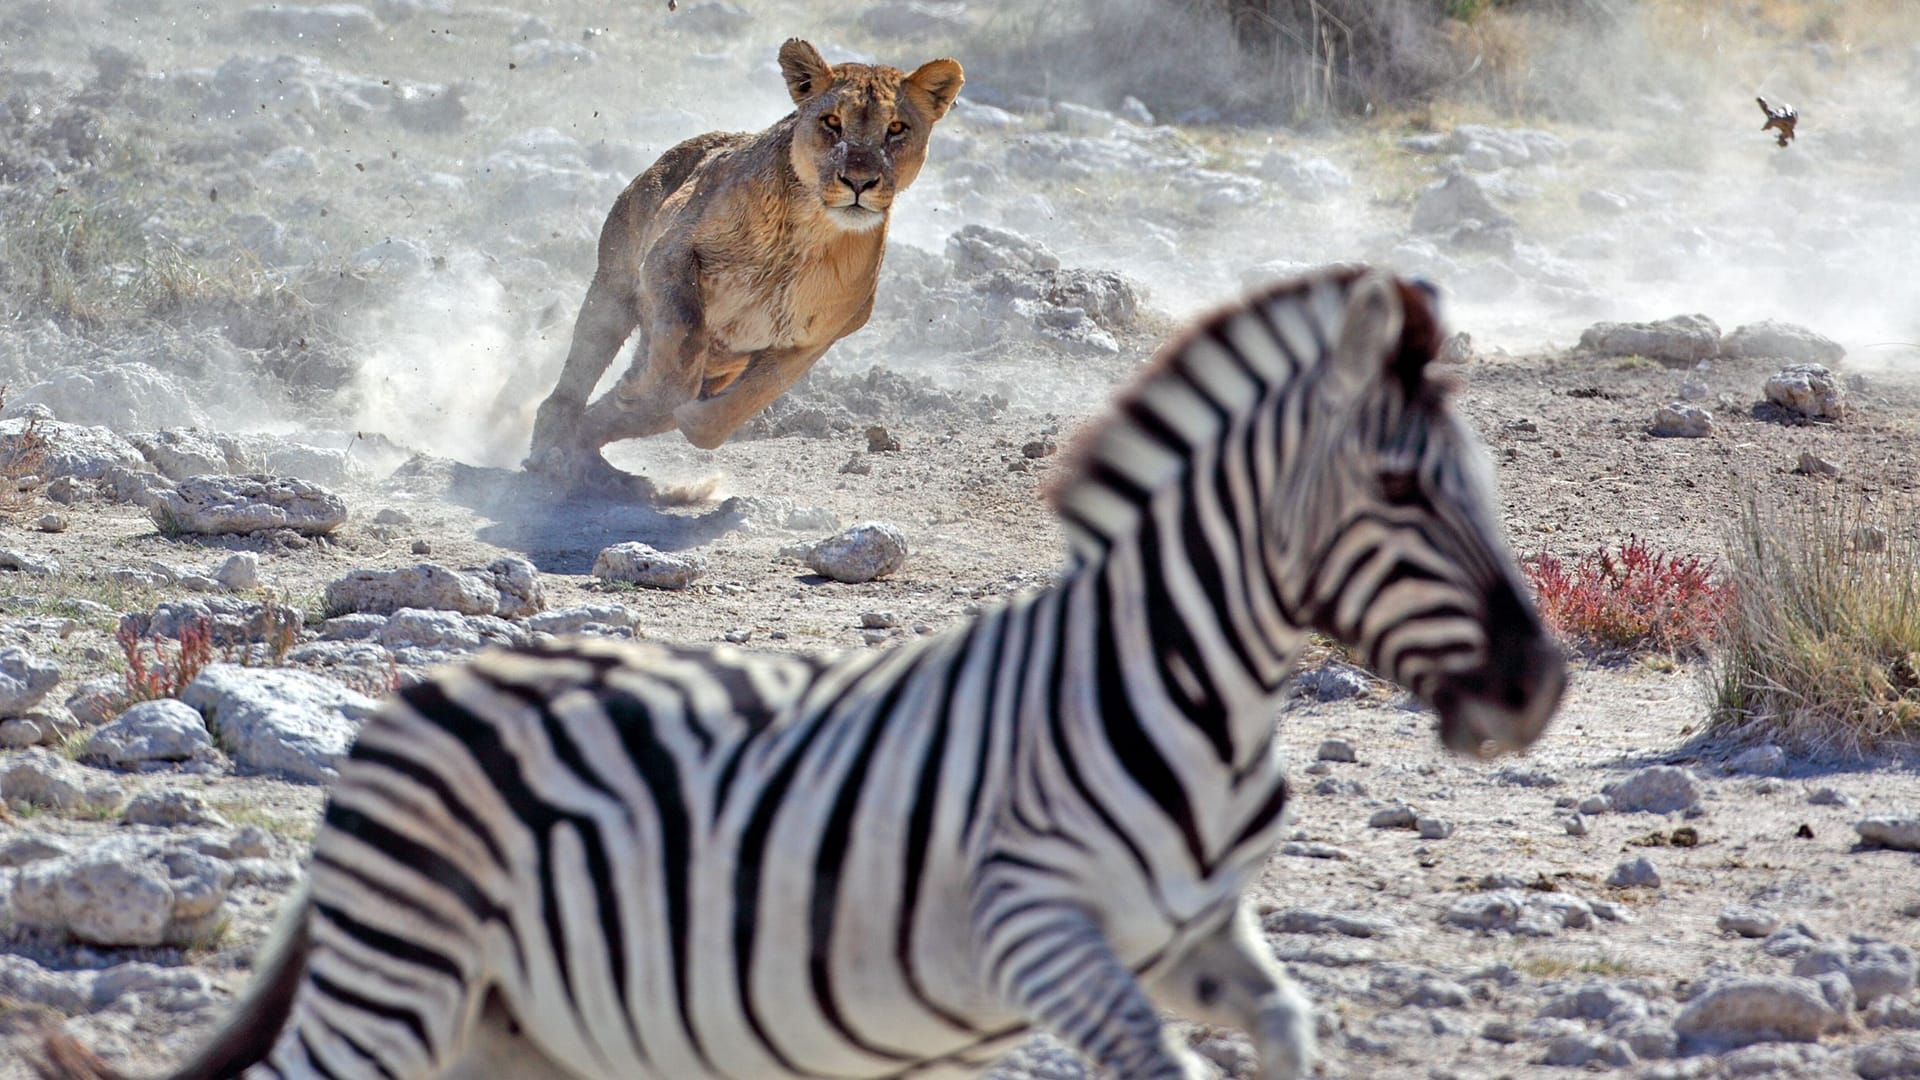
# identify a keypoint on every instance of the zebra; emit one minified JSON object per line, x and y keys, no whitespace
{"x":606,"y":859}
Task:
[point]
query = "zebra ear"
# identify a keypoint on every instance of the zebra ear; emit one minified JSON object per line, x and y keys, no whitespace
{"x":1369,"y":334}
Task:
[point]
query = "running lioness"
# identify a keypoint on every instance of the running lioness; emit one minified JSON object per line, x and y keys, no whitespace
{"x":740,"y":258}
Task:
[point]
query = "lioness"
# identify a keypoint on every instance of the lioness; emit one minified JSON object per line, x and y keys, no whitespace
{"x":740,"y":258}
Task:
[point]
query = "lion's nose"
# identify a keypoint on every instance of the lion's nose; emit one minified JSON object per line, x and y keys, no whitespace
{"x":862,"y":185}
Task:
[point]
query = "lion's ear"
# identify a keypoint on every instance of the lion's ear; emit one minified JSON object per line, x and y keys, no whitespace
{"x":806,"y":72}
{"x":940,"y":81}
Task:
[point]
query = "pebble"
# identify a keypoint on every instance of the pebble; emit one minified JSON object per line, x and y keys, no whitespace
{"x":1336,"y":750}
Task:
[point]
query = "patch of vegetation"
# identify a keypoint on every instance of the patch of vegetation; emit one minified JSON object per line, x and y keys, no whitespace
{"x":1820,"y":648}
{"x":238,"y":812}
{"x":1635,"y":600}
{"x":164,"y":676}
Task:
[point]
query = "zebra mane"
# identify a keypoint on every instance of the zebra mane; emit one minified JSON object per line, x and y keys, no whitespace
{"x":1213,"y":364}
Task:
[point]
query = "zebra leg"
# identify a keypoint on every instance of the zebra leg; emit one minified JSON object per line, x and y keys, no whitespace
{"x":1048,"y":960}
{"x":1230,"y":978}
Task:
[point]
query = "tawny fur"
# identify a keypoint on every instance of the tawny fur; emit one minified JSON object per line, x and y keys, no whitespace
{"x":739,"y":258}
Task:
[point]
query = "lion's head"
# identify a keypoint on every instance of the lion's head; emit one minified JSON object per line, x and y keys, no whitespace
{"x":860,"y":132}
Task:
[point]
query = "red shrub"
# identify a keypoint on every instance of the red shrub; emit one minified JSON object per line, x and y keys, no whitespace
{"x":1638,"y":599}
{"x":164,"y":677}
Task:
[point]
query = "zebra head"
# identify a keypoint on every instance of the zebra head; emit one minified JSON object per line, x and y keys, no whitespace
{"x":1394,"y":517}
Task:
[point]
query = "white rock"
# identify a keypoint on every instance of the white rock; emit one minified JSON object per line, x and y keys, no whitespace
{"x":982,"y":249}
{"x":1682,"y":421}
{"x":152,"y":731}
{"x":1335,"y":750}
{"x":1635,"y":873}
{"x":1808,"y":390}
{"x":860,"y":553}
{"x":123,"y":891}
{"x":428,"y":630}
{"x":640,"y":564}
{"x":212,"y":505}
{"x":1754,"y":1009}
{"x":170,"y":808}
{"x":181,"y":453}
{"x":1747,"y":921}
{"x":24,"y":680}
{"x":278,"y":719}
{"x":1888,"y":1059}
{"x":1772,"y":340}
{"x":240,"y":572}
{"x":1680,"y":340}
{"x":1658,"y":789}
{"x":509,"y":587}
{"x":1446,"y":204}
{"x":1899,"y":833}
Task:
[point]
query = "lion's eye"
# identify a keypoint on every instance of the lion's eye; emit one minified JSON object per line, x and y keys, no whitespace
{"x":831,"y":121}
{"x":896,"y":129}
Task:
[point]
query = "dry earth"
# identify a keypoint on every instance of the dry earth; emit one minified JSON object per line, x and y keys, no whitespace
{"x":1499,"y":949}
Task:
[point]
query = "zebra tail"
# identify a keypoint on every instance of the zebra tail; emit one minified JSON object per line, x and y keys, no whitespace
{"x":248,"y":1035}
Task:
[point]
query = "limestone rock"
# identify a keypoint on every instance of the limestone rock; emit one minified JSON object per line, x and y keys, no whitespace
{"x":279,"y":720}
{"x":640,"y":564}
{"x":213,"y":505}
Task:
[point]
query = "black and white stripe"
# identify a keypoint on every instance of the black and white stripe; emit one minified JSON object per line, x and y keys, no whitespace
{"x":671,"y":862}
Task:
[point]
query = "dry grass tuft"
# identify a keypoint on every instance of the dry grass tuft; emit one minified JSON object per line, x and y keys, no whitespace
{"x":1820,"y":649}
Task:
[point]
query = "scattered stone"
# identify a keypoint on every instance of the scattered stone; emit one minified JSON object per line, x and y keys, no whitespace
{"x":1899,"y":833}
{"x":879,"y":620}
{"x":1576,"y":824}
{"x":1829,"y":796}
{"x":166,"y":730}
{"x":1747,"y":921}
{"x":508,"y":587}
{"x":424,"y":629}
{"x":38,"y":777}
{"x":1874,"y":969}
{"x":1337,"y":786}
{"x":1679,"y":341}
{"x":70,"y":450}
{"x":978,"y":250}
{"x":1888,"y":1059}
{"x":1578,"y":1048}
{"x":574,"y":619}
{"x":125,"y":891}
{"x":1595,"y":804}
{"x":1398,"y":816}
{"x":227,"y":620}
{"x":1434,"y":828}
{"x":1770,"y":340}
{"x":881,"y":441}
{"x":279,"y":719}
{"x":388,"y":515}
{"x":51,"y":523}
{"x":1526,"y":914}
{"x":21,"y":732}
{"x":1526,"y":776}
{"x":1807,"y":390}
{"x":1789,"y":941}
{"x":1336,"y":750}
{"x":169,"y":809}
{"x":1635,"y":873}
{"x":1454,"y":201}
{"x":860,"y":553}
{"x":181,"y":453}
{"x":1811,"y":464}
{"x":639,"y":564}
{"x":1301,"y":921}
{"x":1682,"y":421}
{"x":1763,"y":760}
{"x":240,"y":572}
{"x":1314,"y":849}
{"x":1658,"y":789}
{"x":1039,"y":448}
{"x":1334,"y":682}
{"x":32,"y":566}
{"x":63,"y":490}
{"x":1751,"y":1009}
{"x":421,"y":547}
{"x":24,"y":680}
{"x":212,"y":505}
{"x":1886,"y":1012}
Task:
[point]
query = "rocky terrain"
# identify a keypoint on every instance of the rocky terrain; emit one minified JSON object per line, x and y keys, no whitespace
{"x":282,"y":284}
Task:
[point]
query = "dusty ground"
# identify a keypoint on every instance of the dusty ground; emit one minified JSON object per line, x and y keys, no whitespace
{"x":1568,"y":433}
